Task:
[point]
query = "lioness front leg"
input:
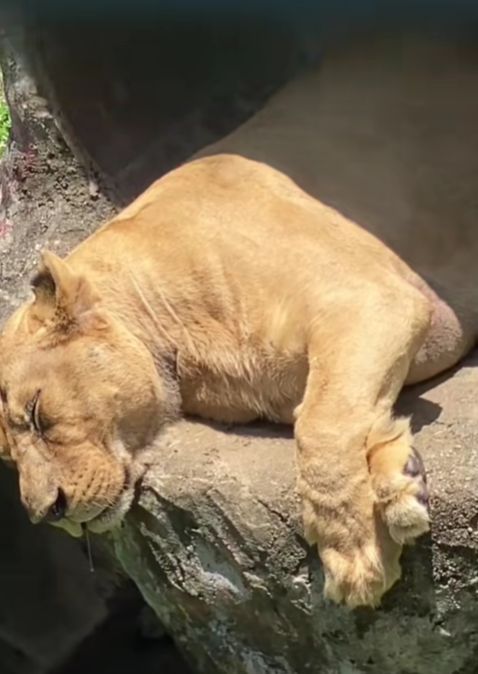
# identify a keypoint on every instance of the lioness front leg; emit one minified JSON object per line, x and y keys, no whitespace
{"x":359,"y":356}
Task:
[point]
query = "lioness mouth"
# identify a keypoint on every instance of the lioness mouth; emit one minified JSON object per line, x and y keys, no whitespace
{"x":107,"y":518}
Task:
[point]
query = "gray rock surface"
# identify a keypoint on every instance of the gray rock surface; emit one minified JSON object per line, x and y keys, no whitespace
{"x":214,"y":545}
{"x":214,"y":541}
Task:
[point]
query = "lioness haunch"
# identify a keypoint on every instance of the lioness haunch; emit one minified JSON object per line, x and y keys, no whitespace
{"x":230,"y":290}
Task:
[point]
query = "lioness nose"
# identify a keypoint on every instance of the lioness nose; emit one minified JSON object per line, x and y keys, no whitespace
{"x":49,"y":512}
{"x":57,"y":510}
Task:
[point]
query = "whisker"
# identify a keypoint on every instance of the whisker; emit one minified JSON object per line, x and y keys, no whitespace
{"x":88,"y":547}
{"x":104,"y":432}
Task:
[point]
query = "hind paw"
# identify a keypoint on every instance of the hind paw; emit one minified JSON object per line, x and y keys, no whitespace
{"x":405,"y":507}
{"x":400,"y":483}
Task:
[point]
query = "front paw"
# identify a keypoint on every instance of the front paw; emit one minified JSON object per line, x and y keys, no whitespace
{"x":359,"y":578}
{"x":358,"y":568}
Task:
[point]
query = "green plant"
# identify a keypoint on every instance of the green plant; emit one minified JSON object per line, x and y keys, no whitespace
{"x":4,"y":118}
{"x":4,"y":125}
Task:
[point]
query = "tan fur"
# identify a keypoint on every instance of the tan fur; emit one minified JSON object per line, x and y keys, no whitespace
{"x":245,"y":285}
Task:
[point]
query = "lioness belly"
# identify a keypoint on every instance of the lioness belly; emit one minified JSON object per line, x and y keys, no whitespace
{"x":271,"y":390}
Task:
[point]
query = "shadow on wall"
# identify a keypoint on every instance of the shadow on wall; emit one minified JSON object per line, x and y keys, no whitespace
{"x":119,"y":647}
{"x":53,"y":616}
{"x":140,"y":86}
{"x":42,"y":613}
{"x":136,"y":98}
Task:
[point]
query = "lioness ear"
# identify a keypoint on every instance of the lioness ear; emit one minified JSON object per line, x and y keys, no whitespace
{"x":60,"y":293}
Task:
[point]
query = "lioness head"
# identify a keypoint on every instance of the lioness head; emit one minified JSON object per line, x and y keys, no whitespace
{"x":82,"y":402}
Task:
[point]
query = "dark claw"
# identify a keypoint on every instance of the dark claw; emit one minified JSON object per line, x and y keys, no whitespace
{"x":422,"y":496}
{"x":412,"y":467}
{"x":415,"y":466}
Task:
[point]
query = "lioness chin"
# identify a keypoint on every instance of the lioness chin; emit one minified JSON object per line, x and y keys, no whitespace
{"x":228,"y":292}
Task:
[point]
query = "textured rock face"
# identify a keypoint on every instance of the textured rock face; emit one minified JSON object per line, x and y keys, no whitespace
{"x":214,"y":545}
{"x":214,"y":541}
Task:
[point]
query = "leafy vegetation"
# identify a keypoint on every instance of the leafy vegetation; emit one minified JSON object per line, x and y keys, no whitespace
{"x":4,"y":119}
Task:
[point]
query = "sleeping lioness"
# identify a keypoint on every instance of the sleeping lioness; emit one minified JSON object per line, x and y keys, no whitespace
{"x":302,"y":270}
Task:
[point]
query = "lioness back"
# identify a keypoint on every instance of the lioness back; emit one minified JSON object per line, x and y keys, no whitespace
{"x":242,"y":262}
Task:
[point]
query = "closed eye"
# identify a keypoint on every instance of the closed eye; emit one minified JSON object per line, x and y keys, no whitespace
{"x":33,"y":410}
